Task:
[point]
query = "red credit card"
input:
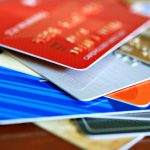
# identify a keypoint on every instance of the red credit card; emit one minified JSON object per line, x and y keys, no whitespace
{"x":71,"y":33}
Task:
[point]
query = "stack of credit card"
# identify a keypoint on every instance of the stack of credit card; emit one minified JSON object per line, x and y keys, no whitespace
{"x":85,"y":59}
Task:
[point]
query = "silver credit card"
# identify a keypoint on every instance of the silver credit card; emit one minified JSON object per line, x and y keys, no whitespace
{"x":108,"y":75}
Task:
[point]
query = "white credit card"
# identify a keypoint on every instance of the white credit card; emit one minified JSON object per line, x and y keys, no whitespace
{"x":7,"y":61}
{"x":140,"y":115}
{"x":108,"y":75}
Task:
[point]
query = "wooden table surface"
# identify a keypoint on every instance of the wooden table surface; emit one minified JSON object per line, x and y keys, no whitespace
{"x":53,"y":135}
{"x":30,"y":137}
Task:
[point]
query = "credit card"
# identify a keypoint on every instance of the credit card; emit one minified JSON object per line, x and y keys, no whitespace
{"x":138,"y":47}
{"x":142,"y":115}
{"x":7,"y":61}
{"x":68,"y":130}
{"x":28,"y":98}
{"x":138,"y":95}
{"x":141,"y":7}
{"x":76,"y":37}
{"x":113,"y":127}
{"x":25,"y":98}
{"x":108,"y":75}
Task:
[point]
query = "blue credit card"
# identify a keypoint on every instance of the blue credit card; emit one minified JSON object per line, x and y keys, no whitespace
{"x":26,"y":98}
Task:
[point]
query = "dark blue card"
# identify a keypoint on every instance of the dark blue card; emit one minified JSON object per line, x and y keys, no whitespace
{"x":25,"y":98}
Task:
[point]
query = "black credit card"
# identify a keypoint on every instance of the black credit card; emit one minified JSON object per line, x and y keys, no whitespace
{"x":109,"y":126}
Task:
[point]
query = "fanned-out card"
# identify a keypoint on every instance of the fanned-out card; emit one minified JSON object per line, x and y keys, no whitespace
{"x":138,"y":47}
{"x":76,"y":37}
{"x":113,"y":73}
{"x":113,"y":128}
{"x":138,"y":95}
{"x":141,"y":7}
{"x":28,"y":98}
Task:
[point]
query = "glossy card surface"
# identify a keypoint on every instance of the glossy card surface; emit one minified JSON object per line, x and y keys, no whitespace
{"x":142,"y":115}
{"x":138,"y":95}
{"x":138,"y":47}
{"x":113,"y":127}
{"x":28,"y":98}
{"x":106,"y":76}
{"x":141,"y":7}
{"x":25,"y":98}
{"x":75,"y":37}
